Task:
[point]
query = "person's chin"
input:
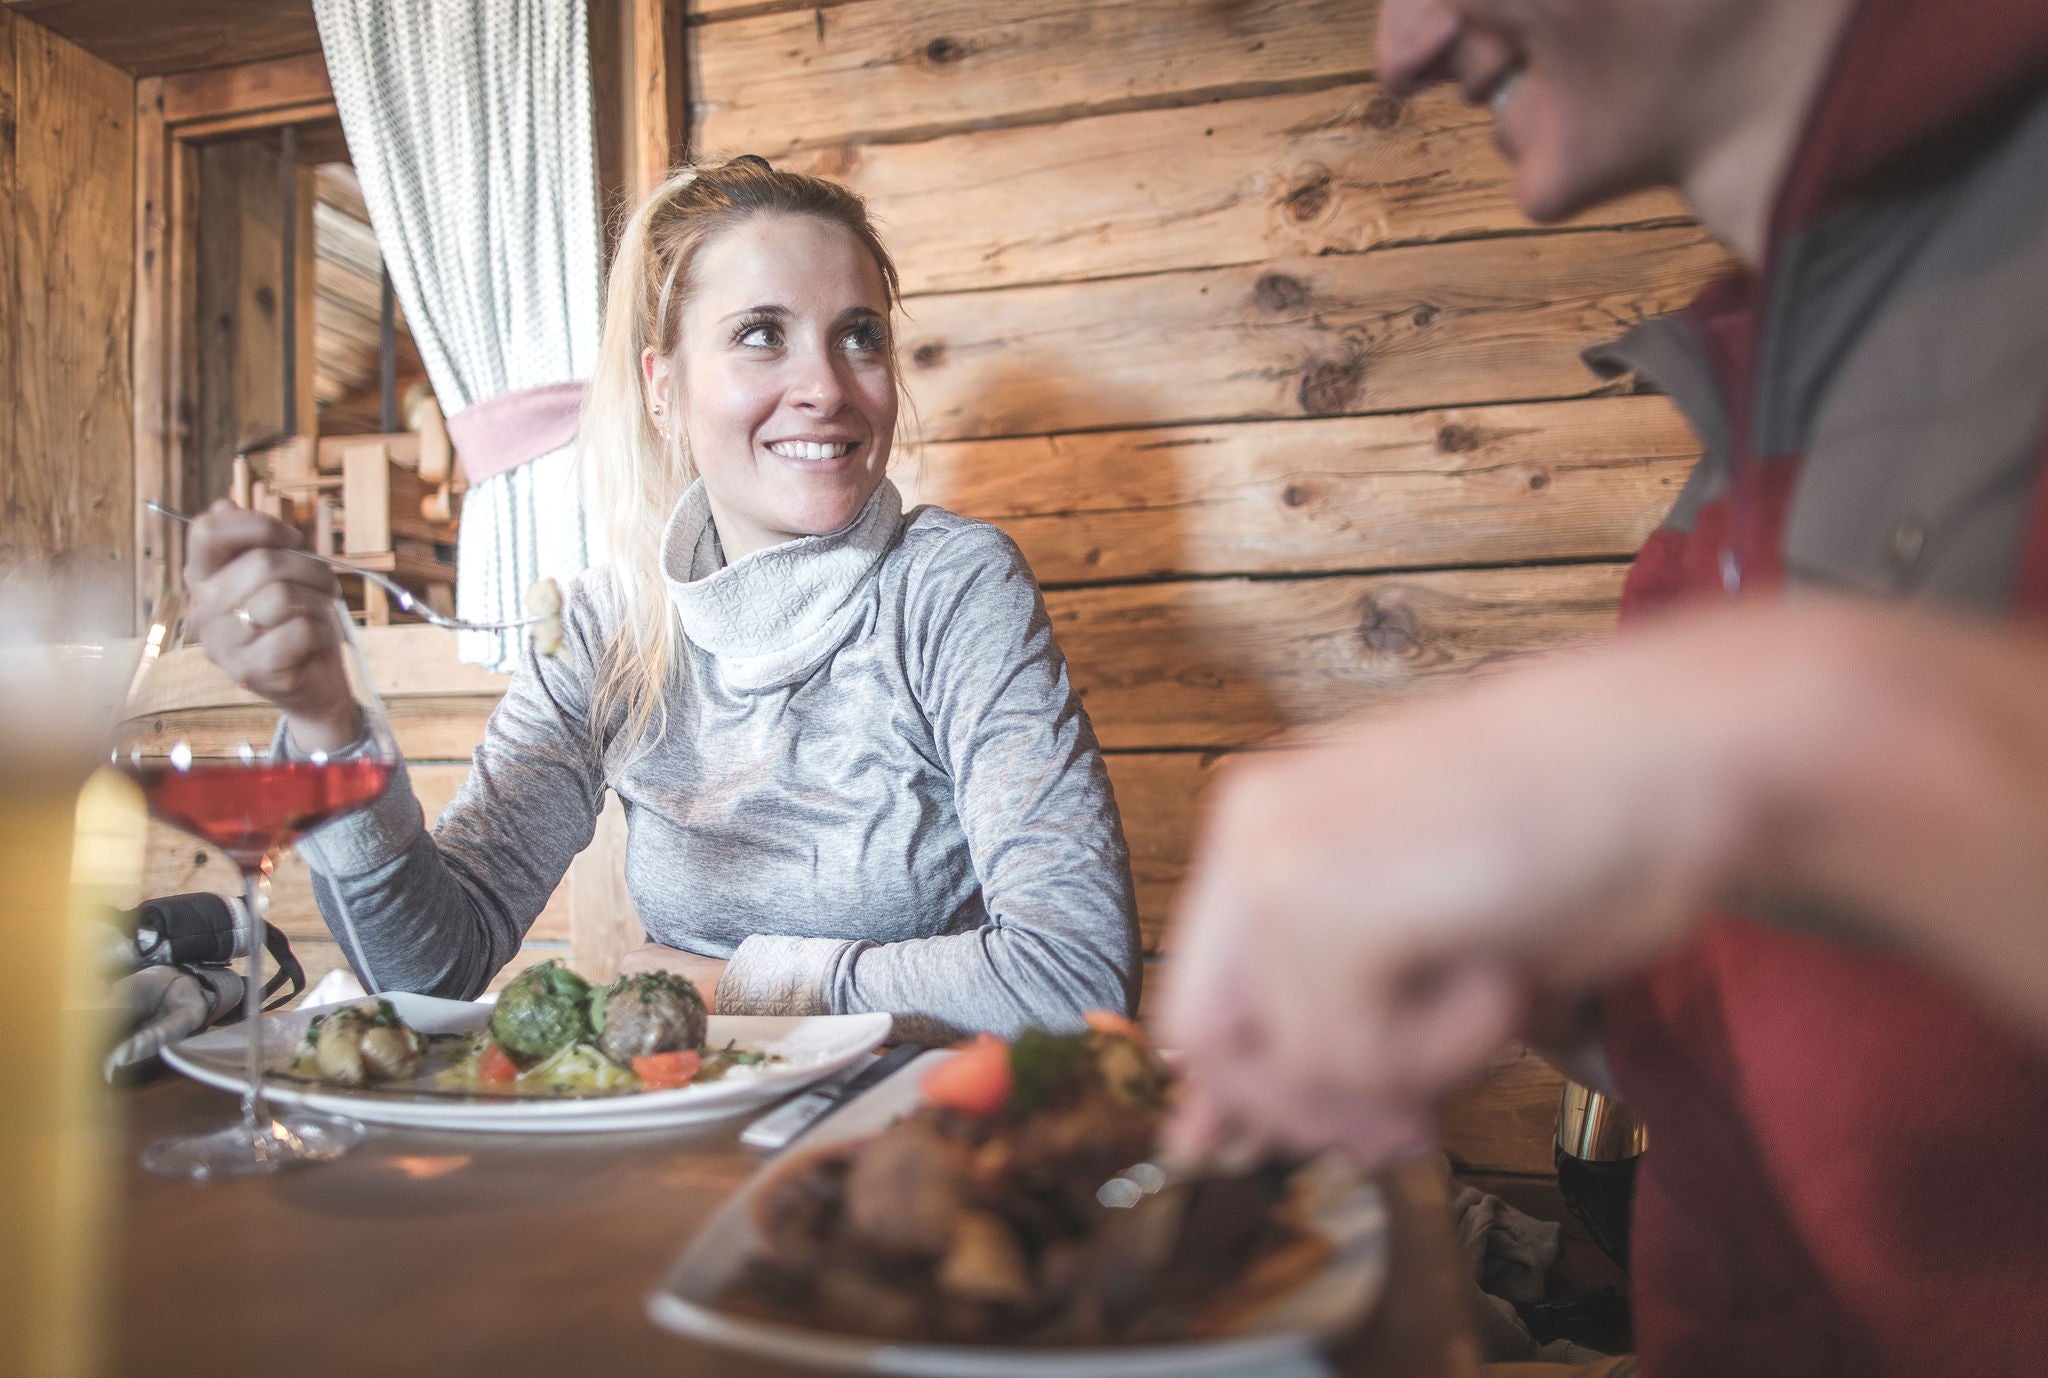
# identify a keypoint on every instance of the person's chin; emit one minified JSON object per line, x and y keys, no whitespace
{"x":824,"y":510}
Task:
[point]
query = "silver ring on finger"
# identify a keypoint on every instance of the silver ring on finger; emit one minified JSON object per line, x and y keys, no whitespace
{"x":248,"y":623}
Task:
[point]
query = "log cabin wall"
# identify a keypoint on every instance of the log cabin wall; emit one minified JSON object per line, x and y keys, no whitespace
{"x":1258,"y":363}
{"x":67,"y":189}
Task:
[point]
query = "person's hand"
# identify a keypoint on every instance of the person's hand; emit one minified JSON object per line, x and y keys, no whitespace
{"x":1368,"y":919}
{"x":701,"y":972}
{"x":266,"y":617}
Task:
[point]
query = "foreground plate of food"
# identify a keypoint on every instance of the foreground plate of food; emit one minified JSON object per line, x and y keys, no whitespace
{"x":909,"y":1237}
{"x":746,"y":1061}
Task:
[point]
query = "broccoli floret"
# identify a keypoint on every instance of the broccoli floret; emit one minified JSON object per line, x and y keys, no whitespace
{"x":543,"y":1010}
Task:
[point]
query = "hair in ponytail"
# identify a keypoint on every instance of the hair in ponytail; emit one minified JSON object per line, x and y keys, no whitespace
{"x":638,"y":473}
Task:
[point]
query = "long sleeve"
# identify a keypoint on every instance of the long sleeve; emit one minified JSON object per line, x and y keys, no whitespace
{"x":1035,"y":804}
{"x":440,"y":913}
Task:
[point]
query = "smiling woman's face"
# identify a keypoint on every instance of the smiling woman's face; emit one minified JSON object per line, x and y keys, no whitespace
{"x":782,"y":381}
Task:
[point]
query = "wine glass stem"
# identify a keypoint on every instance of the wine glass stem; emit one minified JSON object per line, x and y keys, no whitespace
{"x":255,"y":906}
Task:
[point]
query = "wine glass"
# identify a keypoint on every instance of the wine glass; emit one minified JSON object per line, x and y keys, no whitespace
{"x":213,"y":760}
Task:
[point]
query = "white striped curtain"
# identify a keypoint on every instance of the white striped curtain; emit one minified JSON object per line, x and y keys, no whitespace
{"x":469,"y":122}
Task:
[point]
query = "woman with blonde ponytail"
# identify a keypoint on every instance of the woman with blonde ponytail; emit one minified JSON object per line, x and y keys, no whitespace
{"x":854,"y":772}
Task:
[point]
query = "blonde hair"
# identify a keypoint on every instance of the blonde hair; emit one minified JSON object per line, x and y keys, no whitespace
{"x":639,"y":474}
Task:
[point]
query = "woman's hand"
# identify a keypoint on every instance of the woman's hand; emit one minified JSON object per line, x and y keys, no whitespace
{"x":1369,"y":918}
{"x":701,"y":972}
{"x":266,"y":617}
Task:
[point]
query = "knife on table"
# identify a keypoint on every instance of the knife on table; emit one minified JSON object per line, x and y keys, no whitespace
{"x":780,"y":1127}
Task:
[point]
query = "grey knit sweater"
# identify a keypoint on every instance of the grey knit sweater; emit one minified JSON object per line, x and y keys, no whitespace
{"x":876,"y":790}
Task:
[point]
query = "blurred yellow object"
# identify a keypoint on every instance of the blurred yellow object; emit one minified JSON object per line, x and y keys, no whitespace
{"x":55,"y":1139}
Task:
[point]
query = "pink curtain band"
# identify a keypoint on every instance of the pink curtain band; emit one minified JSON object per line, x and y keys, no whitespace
{"x":515,"y":427}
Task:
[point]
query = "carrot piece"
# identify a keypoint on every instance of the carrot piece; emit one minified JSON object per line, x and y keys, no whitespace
{"x":496,"y":1067}
{"x":974,"y":1081}
{"x":666,"y":1071}
{"x":1114,"y":1025}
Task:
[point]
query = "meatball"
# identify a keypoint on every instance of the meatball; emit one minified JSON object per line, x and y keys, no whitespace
{"x":652,"y":1012}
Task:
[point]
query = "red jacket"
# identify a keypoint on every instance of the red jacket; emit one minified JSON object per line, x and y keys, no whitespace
{"x":1848,"y":1171}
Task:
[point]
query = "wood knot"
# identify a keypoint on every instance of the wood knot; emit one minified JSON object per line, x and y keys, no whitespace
{"x":1331,"y":387}
{"x":1297,"y":495}
{"x":1539,"y":480}
{"x":266,"y":299}
{"x":1309,"y":197}
{"x":929,"y":355}
{"x":837,"y":161}
{"x":198,"y":858}
{"x":1423,"y":316}
{"x":1388,"y":627}
{"x":1091,"y":557}
{"x":1457,"y":440}
{"x":941,"y":51}
{"x":1279,"y":292}
{"x":1383,"y":111}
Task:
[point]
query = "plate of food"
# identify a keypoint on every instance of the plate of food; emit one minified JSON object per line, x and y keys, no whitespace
{"x":552,"y":1055}
{"x":952,"y":1222}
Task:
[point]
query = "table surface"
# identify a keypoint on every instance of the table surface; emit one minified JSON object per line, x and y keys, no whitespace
{"x":504,"y":1255}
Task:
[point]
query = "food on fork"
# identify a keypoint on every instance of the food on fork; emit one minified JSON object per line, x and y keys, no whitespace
{"x":975,"y":1220}
{"x":544,"y":600}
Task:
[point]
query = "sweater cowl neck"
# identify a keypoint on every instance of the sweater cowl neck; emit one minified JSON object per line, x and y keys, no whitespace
{"x":770,"y":618}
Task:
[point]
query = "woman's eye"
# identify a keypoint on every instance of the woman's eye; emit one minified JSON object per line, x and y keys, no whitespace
{"x":865,"y":337}
{"x":764,"y":335}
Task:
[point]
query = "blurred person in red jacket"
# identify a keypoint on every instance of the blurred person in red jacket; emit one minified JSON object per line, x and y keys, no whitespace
{"x":1774,"y":864}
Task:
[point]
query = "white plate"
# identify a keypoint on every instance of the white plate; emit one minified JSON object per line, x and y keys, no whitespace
{"x":810,"y":1048}
{"x":1280,"y":1337}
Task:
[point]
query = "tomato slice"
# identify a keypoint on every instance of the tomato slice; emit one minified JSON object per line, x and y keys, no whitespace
{"x":666,"y":1071}
{"x":975,"y":1080}
{"x":1114,"y":1025}
{"x":496,"y":1067}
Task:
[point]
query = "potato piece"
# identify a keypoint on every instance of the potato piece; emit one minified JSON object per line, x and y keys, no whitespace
{"x":985,"y":1261}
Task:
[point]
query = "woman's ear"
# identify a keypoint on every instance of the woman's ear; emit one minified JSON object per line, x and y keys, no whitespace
{"x":655,"y":369}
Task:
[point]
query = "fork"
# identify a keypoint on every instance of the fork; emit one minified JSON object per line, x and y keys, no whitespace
{"x":400,"y":594}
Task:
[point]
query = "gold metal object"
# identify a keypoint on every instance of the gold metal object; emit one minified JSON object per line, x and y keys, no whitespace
{"x":1596,"y":1128}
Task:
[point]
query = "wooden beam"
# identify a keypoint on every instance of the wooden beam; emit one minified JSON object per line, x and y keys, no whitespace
{"x":13,"y":545}
{"x":637,"y":68}
{"x":305,"y":288}
{"x":897,"y":69}
{"x":182,"y":336}
{"x":1339,"y":334}
{"x":148,"y":345}
{"x":68,"y":493}
{"x":1226,"y":662}
{"x":1576,"y":480}
{"x":1341,"y":170}
{"x":224,"y":126}
{"x":147,"y":38}
{"x":217,"y":93}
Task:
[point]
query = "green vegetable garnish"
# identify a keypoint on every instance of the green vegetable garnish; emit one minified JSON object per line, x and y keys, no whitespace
{"x":1041,"y":1063}
{"x":545,"y":1009}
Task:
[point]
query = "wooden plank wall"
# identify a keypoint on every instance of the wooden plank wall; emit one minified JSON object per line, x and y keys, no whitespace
{"x":239,"y":306}
{"x":67,"y":199}
{"x":1259,"y":363}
